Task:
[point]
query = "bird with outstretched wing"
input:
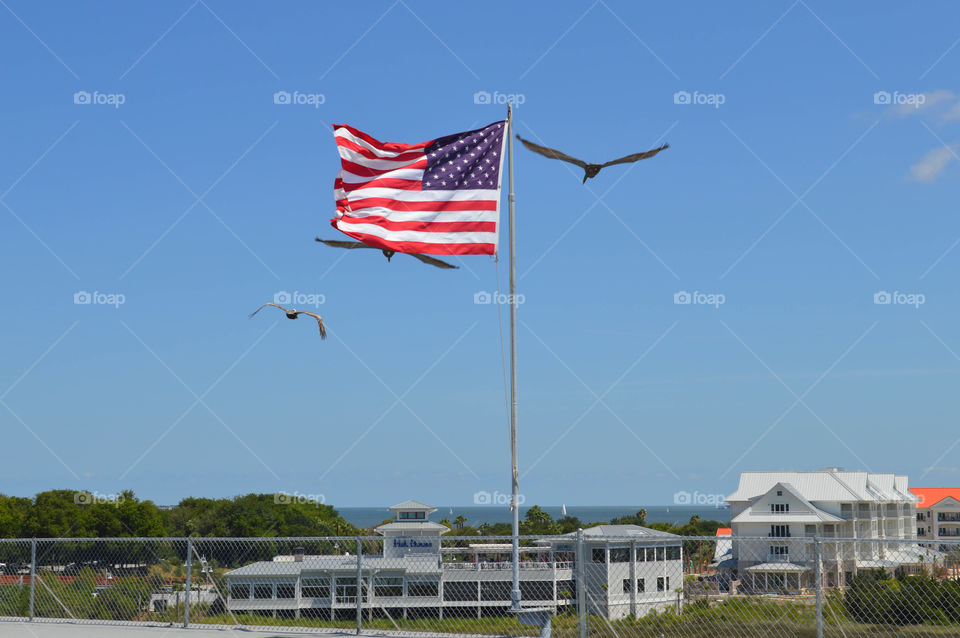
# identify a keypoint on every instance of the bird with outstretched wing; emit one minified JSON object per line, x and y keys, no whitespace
{"x":350,"y":245}
{"x":589,"y":170}
{"x":293,"y":313}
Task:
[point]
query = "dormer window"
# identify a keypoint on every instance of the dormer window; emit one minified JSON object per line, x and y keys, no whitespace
{"x":780,"y":508}
{"x":412,"y":516}
{"x":779,"y":492}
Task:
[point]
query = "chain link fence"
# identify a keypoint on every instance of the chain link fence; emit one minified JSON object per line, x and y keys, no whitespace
{"x":583,"y":584}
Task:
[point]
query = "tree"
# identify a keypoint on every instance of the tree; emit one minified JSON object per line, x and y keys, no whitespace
{"x":459,"y":521}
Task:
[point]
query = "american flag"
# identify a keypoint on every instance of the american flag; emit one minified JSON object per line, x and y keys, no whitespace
{"x":440,"y":197}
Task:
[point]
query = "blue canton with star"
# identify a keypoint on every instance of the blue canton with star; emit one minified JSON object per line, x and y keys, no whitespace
{"x":465,"y":161}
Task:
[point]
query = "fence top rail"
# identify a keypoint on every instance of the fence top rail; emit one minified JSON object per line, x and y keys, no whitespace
{"x":448,"y":541}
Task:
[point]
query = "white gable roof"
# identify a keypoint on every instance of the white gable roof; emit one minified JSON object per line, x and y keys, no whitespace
{"x":835,"y":486}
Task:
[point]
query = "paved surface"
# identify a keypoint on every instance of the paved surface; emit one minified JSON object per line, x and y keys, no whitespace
{"x":14,"y":629}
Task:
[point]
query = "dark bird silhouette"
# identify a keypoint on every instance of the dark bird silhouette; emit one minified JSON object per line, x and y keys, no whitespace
{"x":350,"y":245}
{"x":589,"y":170}
{"x":294,"y":313}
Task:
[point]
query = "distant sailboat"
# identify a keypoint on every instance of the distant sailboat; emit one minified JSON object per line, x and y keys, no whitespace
{"x":563,"y":509}
{"x":451,"y":510}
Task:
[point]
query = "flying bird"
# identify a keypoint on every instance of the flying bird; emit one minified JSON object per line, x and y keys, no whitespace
{"x":589,"y":170}
{"x":350,"y":245}
{"x":294,"y":313}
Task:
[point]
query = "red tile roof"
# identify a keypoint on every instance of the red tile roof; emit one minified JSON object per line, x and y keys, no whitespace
{"x":932,"y":495}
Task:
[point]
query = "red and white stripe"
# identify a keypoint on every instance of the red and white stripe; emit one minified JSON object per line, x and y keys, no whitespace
{"x":380,"y":201}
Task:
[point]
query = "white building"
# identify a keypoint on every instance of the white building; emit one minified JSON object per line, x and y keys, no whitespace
{"x":627,"y":570}
{"x":938,"y":516}
{"x":783,"y":511}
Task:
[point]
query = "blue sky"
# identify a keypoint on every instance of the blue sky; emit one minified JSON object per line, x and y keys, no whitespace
{"x":814,"y":167}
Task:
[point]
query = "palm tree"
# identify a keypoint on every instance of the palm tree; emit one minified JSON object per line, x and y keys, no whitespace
{"x":641,"y":516}
{"x":459,"y":521}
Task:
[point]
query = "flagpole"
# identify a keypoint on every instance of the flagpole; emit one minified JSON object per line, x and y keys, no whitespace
{"x":515,"y":595}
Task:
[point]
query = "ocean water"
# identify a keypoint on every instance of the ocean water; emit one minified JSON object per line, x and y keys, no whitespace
{"x":478,"y":514}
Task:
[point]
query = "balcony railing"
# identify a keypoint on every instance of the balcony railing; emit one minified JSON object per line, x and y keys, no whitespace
{"x":945,"y":517}
{"x":507,"y":565}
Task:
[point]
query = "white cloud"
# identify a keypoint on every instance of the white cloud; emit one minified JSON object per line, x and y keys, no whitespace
{"x":929,"y":101}
{"x":929,"y":168}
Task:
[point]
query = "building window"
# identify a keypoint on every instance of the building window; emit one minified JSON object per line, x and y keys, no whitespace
{"x":536,"y":589}
{"x":426,"y":588}
{"x":406,"y":516}
{"x":641,"y":554}
{"x":673,"y":552}
{"x":599,"y":555}
{"x":663,"y":584}
{"x":286,"y":590}
{"x":651,"y":555}
{"x":626,"y":585}
{"x":315,"y":588}
{"x":495,"y":590}
{"x":661,"y":551}
{"x":387,"y":586}
{"x":262,"y":591}
{"x":460,"y":591}
{"x":641,"y":585}
{"x":779,"y":551}
{"x":620,"y":555}
{"x":240,"y":591}
{"x":347,"y":589}
{"x":780,"y":508}
{"x":780,"y":531}
{"x":779,"y":492}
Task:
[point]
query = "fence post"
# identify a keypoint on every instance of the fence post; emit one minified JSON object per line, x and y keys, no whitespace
{"x":359,"y":585}
{"x":189,"y":583}
{"x":581,"y":587}
{"x":33,"y":573}
{"x":818,"y":584}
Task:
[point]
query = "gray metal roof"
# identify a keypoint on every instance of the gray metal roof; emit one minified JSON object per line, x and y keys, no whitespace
{"x":626,"y":532}
{"x":348,"y":564}
{"x":412,"y":526}
{"x":778,"y":567}
{"x":413,"y":506}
